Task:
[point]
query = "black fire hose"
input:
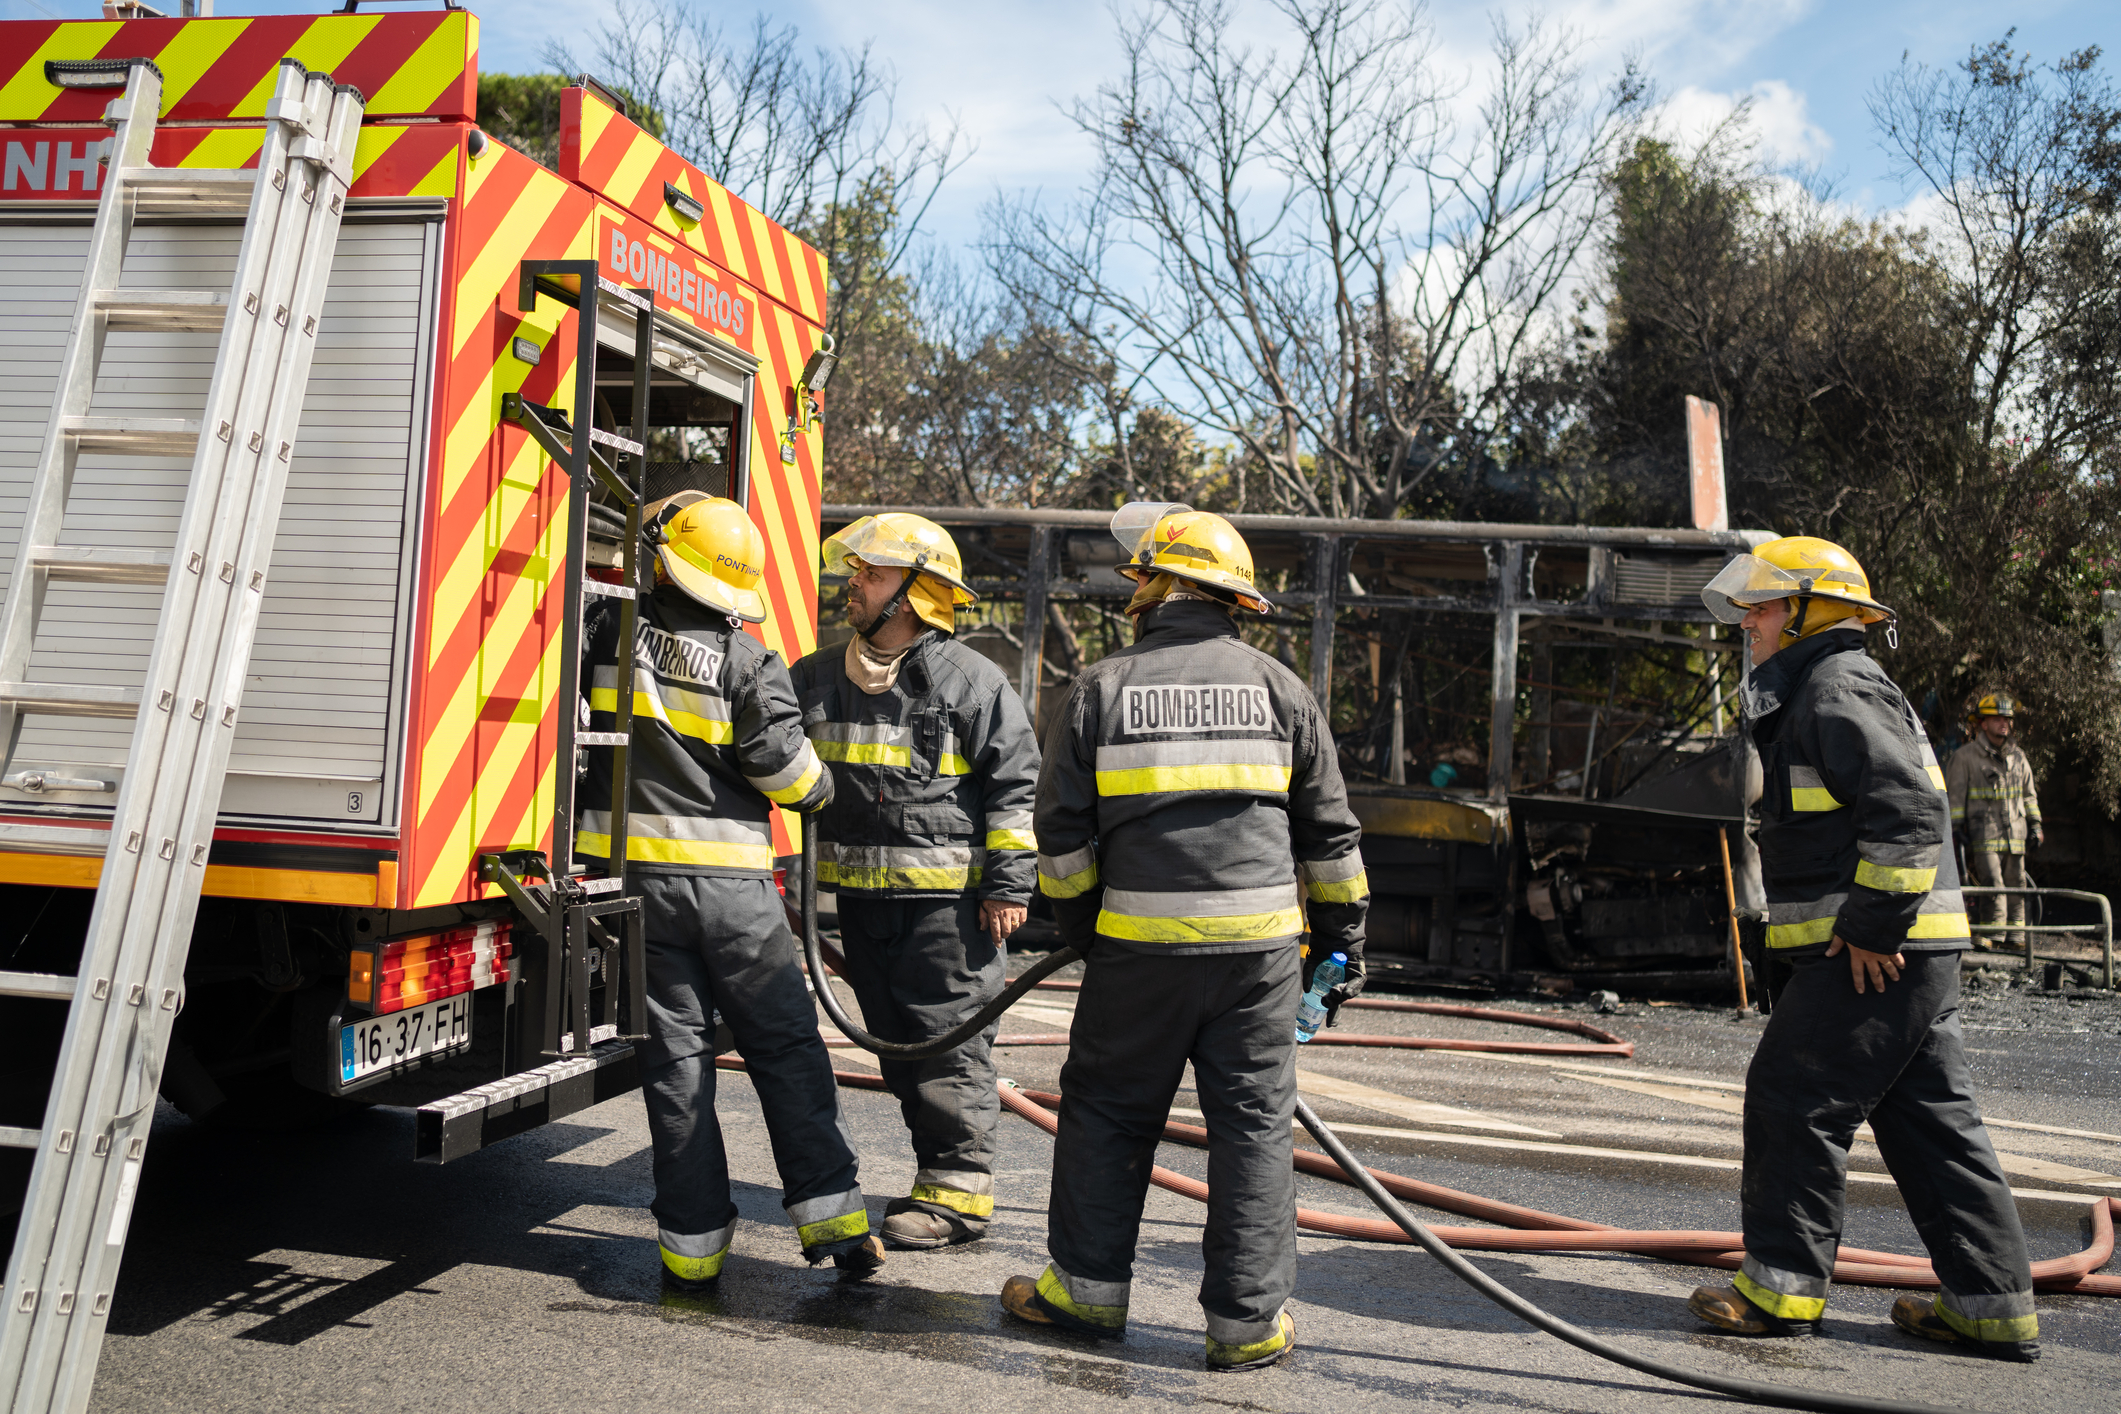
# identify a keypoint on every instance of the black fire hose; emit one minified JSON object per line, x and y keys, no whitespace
{"x":1754,"y":1391}
{"x":814,"y":956}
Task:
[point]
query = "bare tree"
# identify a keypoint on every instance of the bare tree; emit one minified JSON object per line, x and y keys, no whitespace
{"x":809,"y":137}
{"x":1309,"y":256}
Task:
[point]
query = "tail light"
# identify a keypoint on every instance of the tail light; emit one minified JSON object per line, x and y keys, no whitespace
{"x":414,"y":971}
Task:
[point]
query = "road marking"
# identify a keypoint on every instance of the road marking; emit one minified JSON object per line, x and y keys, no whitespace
{"x":1043,"y":1013}
{"x":1420,"y":1111}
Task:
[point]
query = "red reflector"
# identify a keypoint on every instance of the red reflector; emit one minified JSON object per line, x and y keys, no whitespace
{"x":411,"y":972}
{"x":780,"y":881}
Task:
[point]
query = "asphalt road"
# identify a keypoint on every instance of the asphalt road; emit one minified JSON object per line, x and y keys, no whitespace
{"x":329,"y":1272}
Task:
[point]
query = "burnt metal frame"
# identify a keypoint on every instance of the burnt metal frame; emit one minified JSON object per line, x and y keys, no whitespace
{"x":573,"y":922}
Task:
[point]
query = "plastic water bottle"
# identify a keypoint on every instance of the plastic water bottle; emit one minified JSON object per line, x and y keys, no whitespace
{"x":1311,"y":1011}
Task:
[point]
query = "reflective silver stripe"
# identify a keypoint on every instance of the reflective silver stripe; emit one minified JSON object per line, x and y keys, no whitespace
{"x":788,"y":775}
{"x":1829,"y":906}
{"x":1262,"y":751}
{"x":695,"y":1246}
{"x":817,"y":1210}
{"x":719,"y":829}
{"x":710,"y":705}
{"x":1195,"y":903}
{"x":873,"y":734}
{"x":1085,"y":1292}
{"x":1785,"y":1283}
{"x":1067,"y":866}
{"x":869,"y":856}
{"x":1330,"y":871}
{"x":962,"y":1180}
{"x":1224,"y":1331}
{"x":2000,"y":1306}
{"x":1010,"y":820}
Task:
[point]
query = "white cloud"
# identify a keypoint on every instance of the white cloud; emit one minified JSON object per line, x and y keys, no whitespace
{"x":1777,"y":119}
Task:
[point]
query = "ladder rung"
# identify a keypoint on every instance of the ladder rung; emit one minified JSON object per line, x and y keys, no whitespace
{"x":13,"y":1138}
{"x":192,"y":188}
{"x":36,"y":984}
{"x":70,"y":699}
{"x":102,"y":564}
{"x":163,"y":310}
{"x":54,"y":839}
{"x":141,"y":436}
{"x":610,"y":591}
{"x":600,"y":738}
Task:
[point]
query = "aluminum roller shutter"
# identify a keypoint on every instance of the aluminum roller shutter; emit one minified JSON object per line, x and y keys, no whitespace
{"x":318,"y":739}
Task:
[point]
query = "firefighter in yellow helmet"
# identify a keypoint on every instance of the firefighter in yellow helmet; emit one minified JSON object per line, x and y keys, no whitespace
{"x":1190,"y":805}
{"x":1854,"y":836}
{"x":929,"y":849}
{"x":716,"y":736}
{"x":1996,"y":810}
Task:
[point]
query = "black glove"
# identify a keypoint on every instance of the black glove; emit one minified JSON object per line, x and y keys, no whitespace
{"x":2039,"y":835}
{"x":1350,"y":984}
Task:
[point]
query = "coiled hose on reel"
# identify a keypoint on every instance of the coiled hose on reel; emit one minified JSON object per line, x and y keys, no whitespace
{"x":1753,"y":1391}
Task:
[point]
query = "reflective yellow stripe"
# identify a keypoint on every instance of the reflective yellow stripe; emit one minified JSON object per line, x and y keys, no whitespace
{"x":838,"y":1229}
{"x":1010,"y":839}
{"x":972,"y":1205}
{"x":1936,"y":776}
{"x":1895,"y":881}
{"x":708,"y":853}
{"x":863,"y":753}
{"x":789,"y":795}
{"x":1068,"y":875}
{"x":1958,"y":814}
{"x":1156,"y":780}
{"x":1810,"y":798}
{"x":1939,"y":925}
{"x":2011,"y":1328}
{"x":848,"y":876}
{"x":1230,"y":928}
{"x":1221,"y":1354}
{"x":1056,"y":1294}
{"x":952,"y":764}
{"x":1820,"y":930}
{"x":1788,"y":1308}
{"x":1339,"y":890}
{"x":695,"y":1268}
{"x":707,"y":729}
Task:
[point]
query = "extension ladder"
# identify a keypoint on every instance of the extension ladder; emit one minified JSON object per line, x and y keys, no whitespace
{"x":130,"y":978}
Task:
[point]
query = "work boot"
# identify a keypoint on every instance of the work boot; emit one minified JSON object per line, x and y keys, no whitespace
{"x":1020,"y":1299}
{"x":1919,"y":1316}
{"x":1224,"y":1359}
{"x":1727,"y":1309}
{"x":920,"y":1228}
{"x":862,"y":1259}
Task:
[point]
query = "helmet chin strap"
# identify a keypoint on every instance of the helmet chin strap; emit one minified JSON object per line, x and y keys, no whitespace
{"x":897,"y":600}
{"x":1794,"y":628}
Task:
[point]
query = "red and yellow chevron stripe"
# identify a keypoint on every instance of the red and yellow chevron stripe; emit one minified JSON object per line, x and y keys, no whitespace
{"x":422,"y":64}
{"x":390,"y":159}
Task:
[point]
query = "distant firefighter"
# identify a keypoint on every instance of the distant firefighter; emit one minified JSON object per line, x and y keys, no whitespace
{"x":1995,"y":805}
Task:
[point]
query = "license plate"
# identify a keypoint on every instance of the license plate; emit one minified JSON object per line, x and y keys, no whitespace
{"x":379,"y":1043}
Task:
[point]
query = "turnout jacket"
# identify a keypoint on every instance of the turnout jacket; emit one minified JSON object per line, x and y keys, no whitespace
{"x":1853,"y":820}
{"x":716,"y":735}
{"x":935,"y":776}
{"x":1191,"y":796}
{"x":1994,"y":798}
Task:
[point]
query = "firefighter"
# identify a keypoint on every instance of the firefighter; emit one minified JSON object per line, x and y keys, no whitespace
{"x":1995,"y":805}
{"x":716,"y":736}
{"x":1190,"y":802}
{"x":928,"y":846}
{"x":1863,"y":901}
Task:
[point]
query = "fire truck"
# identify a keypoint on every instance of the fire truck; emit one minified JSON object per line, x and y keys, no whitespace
{"x":326,"y":413}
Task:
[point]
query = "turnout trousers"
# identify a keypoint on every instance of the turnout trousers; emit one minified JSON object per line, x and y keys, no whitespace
{"x":1138,"y":1020}
{"x":1831,"y":1059}
{"x":1996,"y":869}
{"x":724,"y":945}
{"x":918,"y":967}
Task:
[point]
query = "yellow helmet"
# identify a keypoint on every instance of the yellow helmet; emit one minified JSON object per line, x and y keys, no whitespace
{"x":1826,"y":580}
{"x":1996,"y":704}
{"x":1165,"y":537}
{"x":903,"y":540}
{"x":708,"y":547}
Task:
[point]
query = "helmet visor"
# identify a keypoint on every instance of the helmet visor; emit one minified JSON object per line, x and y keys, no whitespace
{"x":1745,"y":582}
{"x":870,"y":541}
{"x":1137,"y":518}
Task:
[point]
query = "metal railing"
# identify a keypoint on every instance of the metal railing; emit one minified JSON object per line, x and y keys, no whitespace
{"x":2106,"y":920}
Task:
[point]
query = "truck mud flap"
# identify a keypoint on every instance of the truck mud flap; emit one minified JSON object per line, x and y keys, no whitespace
{"x":464,"y":1124}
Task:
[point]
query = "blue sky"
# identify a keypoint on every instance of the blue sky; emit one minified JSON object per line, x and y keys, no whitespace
{"x":1004,"y":67}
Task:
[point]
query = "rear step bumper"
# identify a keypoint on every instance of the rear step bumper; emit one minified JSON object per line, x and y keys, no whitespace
{"x":464,"y":1124}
